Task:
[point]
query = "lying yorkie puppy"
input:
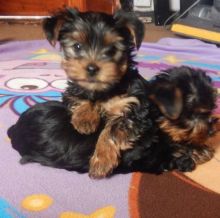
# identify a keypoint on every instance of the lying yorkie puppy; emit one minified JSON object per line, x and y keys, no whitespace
{"x":181,"y":100}
{"x":111,"y":118}
{"x":186,"y":97}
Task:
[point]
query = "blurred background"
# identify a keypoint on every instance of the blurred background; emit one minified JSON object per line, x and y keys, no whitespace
{"x":21,"y":19}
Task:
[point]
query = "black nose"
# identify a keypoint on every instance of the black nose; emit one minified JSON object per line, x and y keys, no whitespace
{"x":92,"y":69}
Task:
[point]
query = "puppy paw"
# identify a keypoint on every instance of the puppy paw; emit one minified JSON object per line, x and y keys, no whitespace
{"x":85,"y":119}
{"x":86,"y":124}
{"x":102,"y":165}
{"x":202,"y":154}
{"x":184,"y":164}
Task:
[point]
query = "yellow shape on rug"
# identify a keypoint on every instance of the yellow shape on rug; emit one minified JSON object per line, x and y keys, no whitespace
{"x":37,"y":202}
{"x":41,"y":51}
{"x":172,"y":59}
{"x":106,"y":212}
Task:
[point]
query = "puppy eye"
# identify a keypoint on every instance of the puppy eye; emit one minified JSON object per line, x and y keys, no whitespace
{"x":77,"y":47}
{"x":110,"y":52}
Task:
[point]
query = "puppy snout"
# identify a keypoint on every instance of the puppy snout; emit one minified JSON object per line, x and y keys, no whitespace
{"x":92,"y":69}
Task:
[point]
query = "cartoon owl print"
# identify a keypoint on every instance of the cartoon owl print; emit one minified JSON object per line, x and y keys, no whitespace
{"x":24,"y":83}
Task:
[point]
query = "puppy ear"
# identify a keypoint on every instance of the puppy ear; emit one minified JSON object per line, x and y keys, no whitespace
{"x":169,"y":99}
{"x":51,"y":27}
{"x":53,"y":24}
{"x":133,"y":24}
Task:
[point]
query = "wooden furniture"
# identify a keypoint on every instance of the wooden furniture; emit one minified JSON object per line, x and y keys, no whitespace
{"x":38,"y":8}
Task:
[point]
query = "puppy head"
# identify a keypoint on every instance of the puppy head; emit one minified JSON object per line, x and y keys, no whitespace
{"x":98,"y":48}
{"x":186,"y":98}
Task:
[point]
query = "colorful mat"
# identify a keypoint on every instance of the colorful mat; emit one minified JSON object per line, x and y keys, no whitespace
{"x":30,"y":73}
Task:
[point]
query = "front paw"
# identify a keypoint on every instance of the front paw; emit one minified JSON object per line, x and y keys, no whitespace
{"x":102,"y":165}
{"x":85,"y":122}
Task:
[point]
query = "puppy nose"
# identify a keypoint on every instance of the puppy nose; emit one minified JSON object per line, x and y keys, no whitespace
{"x":92,"y":69}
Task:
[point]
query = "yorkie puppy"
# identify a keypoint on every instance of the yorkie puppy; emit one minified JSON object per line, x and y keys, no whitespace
{"x":183,"y":100}
{"x":111,"y":117}
{"x":103,"y":81}
{"x":186,"y":98}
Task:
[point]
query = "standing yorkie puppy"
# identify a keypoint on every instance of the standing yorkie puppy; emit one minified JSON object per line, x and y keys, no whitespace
{"x":103,"y":82}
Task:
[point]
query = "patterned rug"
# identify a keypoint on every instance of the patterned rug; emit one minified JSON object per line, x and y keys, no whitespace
{"x":30,"y":73}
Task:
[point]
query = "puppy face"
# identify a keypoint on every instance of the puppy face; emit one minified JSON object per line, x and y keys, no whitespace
{"x":186,"y":98}
{"x":97,"y":47}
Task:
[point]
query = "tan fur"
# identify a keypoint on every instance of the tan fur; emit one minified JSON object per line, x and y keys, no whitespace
{"x":79,"y":37}
{"x":107,"y":153}
{"x":111,"y":37}
{"x":118,"y":105}
{"x":108,"y":74}
{"x":194,"y":133}
{"x":85,"y":117}
{"x":105,"y":157}
{"x":111,"y":141}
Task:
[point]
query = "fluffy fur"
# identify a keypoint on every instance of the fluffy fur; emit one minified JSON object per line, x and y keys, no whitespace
{"x":111,"y":118}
